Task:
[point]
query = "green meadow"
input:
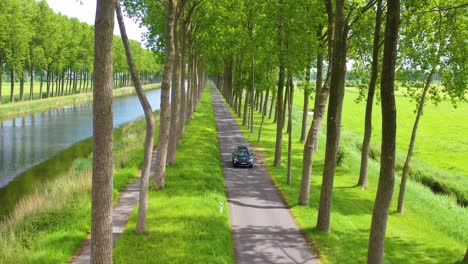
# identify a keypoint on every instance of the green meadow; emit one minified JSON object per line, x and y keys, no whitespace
{"x":432,"y":230}
{"x":439,"y":158}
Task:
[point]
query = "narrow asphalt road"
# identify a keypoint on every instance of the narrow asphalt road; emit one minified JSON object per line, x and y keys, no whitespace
{"x":262,"y":227}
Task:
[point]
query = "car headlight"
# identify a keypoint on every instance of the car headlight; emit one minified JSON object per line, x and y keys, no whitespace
{"x":251,"y":160}
{"x":235,"y":160}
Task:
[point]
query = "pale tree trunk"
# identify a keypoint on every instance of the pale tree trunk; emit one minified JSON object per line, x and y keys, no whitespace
{"x":321,"y":98}
{"x":265,"y":106}
{"x":384,"y":195}
{"x":31,"y":85}
{"x":1,"y":74}
{"x":150,"y":126}
{"x":103,"y":162}
{"x":306,"y":105}
{"x":41,"y":84}
{"x":335,"y":107}
{"x":21,"y":98}
{"x":246,"y":108}
{"x":175,"y":95}
{"x":182,"y":81}
{"x":409,"y":155}
{"x":12,"y":82}
{"x":290,"y":103}
{"x":271,"y":104}
{"x":190,"y":83}
{"x":165,"y":112}
{"x":370,"y":99}
{"x":279,"y":103}
{"x":252,"y":101}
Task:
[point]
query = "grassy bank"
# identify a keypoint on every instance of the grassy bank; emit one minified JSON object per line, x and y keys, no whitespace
{"x":184,"y":222}
{"x":49,"y":224}
{"x":17,"y":109}
{"x":433,"y":229}
{"x":441,"y":143}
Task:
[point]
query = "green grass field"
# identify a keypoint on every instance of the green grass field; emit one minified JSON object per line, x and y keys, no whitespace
{"x":184,"y":223}
{"x":48,"y":225}
{"x":432,"y":230}
{"x":441,"y":147}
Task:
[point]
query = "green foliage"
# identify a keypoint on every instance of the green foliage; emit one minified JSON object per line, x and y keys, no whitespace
{"x":184,"y":224}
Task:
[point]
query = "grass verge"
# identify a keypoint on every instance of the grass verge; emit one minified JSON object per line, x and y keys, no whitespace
{"x":17,"y":109}
{"x":184,"y":224}
{"x":49,"y":224}
{"x":433,"y":229}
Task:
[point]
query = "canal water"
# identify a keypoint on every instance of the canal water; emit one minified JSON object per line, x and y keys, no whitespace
{"x":30,"y":140}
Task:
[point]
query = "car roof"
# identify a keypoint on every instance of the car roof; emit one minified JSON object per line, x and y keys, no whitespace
{"x":242,"y":148}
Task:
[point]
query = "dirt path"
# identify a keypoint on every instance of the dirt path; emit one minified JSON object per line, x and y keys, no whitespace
{"x":262,"y":226}
{"x":122,"y":211}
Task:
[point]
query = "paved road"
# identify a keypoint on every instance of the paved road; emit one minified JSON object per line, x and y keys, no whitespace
{"x":262,"y":227}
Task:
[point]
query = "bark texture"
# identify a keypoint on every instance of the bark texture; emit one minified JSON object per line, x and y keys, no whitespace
{"x":103,"y":163}
{"x":279,"y":102}
{"x":384,"y":195}
{"x":165,"y":112}
{"x":305,"y":110}
{"x":290,"y":103}
{"x":370,"y":99}
{"x":149,"y":136}
{"x":333,"y":117}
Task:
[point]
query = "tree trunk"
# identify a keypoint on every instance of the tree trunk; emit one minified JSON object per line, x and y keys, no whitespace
{"x":103,"y":163}
{"x":290,"y":103}
{"x":265,"y":106}
{"x":305,"y":110}
{"x":271,"y":104}
{"x":48,"y":83}
{"x":1,"y":75}
{"x":21,"y":98}
{"x":182,"y":81}
{"x":279,"y":103}
{"x":246,"y":108}
{"x":320,"y":103}
{"x":384,"y":195}
{"x":31,"y":85}
{"x":285,"y":103}
{"x":335,"y":107}
{"x":252,"y":100}
{"x":370,"y":99}
{"x":41,"y":85}
{"x":165,"y":112}
{"x":409,"y":155}
{"x":12,"y":82}
{"x":175,"y":94}
{"x":150,"y":126}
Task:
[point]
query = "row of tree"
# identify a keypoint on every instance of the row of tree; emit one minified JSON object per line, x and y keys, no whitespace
{"x":255,"y":49}
{"x":57,"y":52}
{"x":179,"y":50}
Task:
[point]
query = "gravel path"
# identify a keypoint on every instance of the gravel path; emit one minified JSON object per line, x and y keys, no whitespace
{"x":262,"y":226}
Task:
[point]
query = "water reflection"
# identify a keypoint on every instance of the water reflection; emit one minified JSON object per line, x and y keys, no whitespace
{"x":29,"y":140}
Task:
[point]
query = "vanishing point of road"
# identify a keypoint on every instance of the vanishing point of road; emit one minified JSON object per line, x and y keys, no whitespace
{"x":263,"y":228}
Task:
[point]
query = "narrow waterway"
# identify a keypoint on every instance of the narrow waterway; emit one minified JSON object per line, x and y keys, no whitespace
{"x":30,"y":140}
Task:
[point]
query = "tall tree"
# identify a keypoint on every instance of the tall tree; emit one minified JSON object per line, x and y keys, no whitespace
{"x":370,"y":99}
{"x":165,"y":111}
{"x":384,"y":195}
{"x":333,"y":116}
{"x":101,"y":228}
{"x":281,"y":77}
{"x":149,"y":136}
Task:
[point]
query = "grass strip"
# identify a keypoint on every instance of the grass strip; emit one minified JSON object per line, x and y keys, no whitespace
{"x":432,"y":230}
{"x":184,"y":224}
{"x":49,"y":224}
{"x":17,"y":109}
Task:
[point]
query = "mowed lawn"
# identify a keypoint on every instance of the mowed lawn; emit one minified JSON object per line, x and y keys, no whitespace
{"x":432,"y":230}
{"x":184,"y":223}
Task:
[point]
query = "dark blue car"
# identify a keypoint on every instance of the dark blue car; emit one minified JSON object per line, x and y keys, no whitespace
{"x":241,"y":156}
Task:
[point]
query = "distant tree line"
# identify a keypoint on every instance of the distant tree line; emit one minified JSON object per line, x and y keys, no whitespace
{"x":56,"y":52}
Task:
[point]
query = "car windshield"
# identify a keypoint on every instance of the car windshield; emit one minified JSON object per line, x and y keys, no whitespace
{"x":242,"y":153}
